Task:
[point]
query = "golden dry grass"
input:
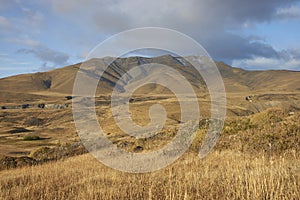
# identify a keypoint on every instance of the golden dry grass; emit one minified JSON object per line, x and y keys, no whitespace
{"x":221,"y":175}
{"x":256,"y":158}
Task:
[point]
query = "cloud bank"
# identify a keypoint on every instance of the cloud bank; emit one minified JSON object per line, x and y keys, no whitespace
{"x":56,"y":32}
{"x":211,"y":23}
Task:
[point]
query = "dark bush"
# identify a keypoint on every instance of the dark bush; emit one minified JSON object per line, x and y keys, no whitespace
{"x":41,"y":105}
{"x":24,"y":106}
{"x":69,"y":97}
{"x":34,"y":121}
{"x":31,"y":137}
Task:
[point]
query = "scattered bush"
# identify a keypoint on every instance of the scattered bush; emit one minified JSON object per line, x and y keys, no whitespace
{"x":32,"y":137}
{"x":56,"y":153}
{"x":34,"y":122}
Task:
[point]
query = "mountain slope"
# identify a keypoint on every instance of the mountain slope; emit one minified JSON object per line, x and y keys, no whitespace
{"x":235,"y":79}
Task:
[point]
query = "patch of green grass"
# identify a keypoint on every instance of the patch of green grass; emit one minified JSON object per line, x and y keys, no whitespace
{"x":31,"y":138}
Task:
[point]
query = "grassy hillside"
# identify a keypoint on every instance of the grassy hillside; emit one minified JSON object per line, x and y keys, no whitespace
{"x":256,"y":158}
{"x":236,"y":80}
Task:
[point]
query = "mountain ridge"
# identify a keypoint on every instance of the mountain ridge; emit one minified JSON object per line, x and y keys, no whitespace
{"x":235,"y":79}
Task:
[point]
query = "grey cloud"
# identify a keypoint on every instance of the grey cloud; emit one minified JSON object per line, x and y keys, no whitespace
{"x":286,"y":59}
{"x":227,"y":46}
{"x":47,"y":55}
{"x":209,"y":22}
{"x":166,"y":12}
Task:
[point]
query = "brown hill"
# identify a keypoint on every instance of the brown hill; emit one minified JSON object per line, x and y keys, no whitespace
{"x":54,"y":125}
{"x":60,"y":81}
{"x":236,"y":79}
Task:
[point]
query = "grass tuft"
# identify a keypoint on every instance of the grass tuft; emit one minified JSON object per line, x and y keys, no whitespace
{"x":31,"y":138}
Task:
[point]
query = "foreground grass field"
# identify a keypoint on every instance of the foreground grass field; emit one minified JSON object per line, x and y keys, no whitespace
{"x":221,"y":175}
{"x":257,"y":157}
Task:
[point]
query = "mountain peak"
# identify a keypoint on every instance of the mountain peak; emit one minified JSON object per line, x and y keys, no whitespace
{"x":235,"y":79}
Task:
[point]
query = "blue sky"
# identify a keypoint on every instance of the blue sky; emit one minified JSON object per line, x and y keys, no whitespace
{"x":41,"y":35}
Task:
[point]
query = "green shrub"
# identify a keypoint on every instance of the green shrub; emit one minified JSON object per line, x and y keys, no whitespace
{"x":31,"y":137}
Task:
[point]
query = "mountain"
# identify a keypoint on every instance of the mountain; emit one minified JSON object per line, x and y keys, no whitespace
{"x":236,"y":80}
{"x":247,"y":92}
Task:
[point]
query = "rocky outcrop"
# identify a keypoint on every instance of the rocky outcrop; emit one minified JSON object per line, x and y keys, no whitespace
{"x":24,"y":106}
{"x":41,"y":105}
{"x":42,"y":155}
{"x":69,"y":97}
{"x":56,"y":153}
{"x":249,"y":98}
{"x":47,"y":83}
{"x":13,"y":162}
{"x":56,"y":106}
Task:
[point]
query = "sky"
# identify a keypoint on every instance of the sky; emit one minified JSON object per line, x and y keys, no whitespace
{"x":40,"y":35}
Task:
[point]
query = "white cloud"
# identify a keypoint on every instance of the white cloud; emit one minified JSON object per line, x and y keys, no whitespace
{"x":289,"y":12}
{"x":261,"y":63}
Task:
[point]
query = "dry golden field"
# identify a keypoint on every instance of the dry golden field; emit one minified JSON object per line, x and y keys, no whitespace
{"x":221,"y":175}
{"x":257,"y":157}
